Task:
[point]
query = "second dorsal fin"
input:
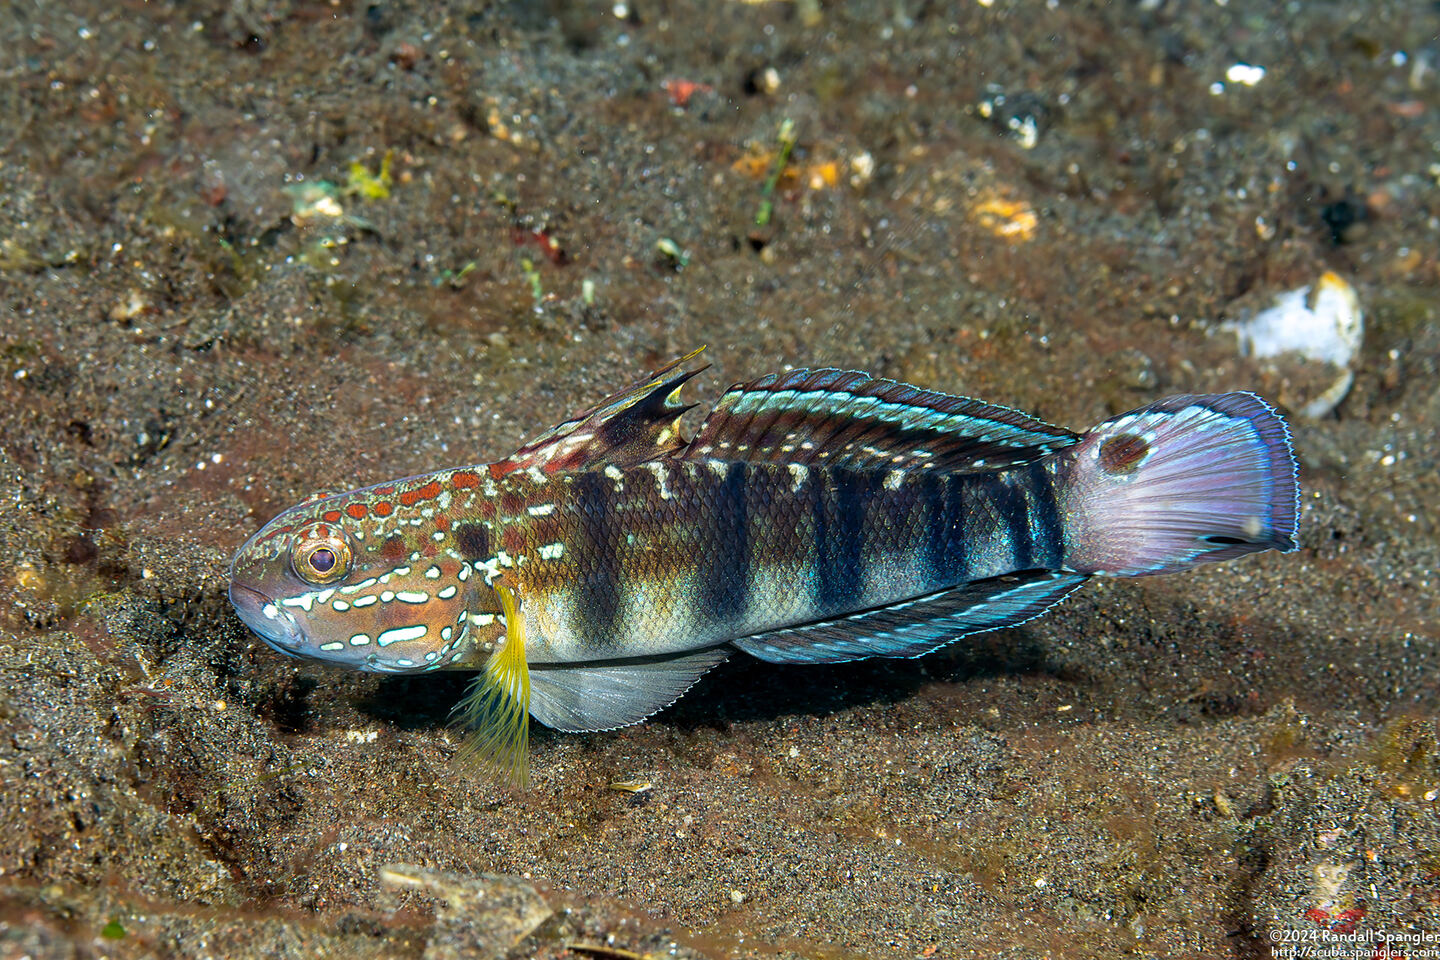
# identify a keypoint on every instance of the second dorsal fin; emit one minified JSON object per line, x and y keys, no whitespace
{"x":636,"y":425}
{"x":849,"y":419}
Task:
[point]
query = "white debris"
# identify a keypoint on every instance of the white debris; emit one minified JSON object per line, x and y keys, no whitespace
{"x":1323,"y":323}
{"x":1245,"y":74}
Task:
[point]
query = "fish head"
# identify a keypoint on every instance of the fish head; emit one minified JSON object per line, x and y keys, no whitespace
{"x":338,"y":581}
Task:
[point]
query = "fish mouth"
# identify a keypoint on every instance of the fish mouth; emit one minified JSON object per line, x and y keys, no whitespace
{"x":263,"y":616}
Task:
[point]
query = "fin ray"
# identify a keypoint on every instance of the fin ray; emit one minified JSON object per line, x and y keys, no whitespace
{"x":914,"y":628}
{"x":850,"y":419}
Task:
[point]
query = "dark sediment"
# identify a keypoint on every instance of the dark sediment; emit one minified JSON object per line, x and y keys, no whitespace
{"x":208,"y":310}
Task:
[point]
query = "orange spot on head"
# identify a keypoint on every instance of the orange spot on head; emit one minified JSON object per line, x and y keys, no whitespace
{"x":357,"y":510}
{"x":464,"y":480}
{"x":384,"y":508}
{"x":498,"y":470}
{"x":331,"y":516}
{"x":430,"y":491}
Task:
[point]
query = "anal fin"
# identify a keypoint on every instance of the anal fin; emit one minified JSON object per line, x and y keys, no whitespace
{"x":614,"y":693}
{"x":496,"y":711}
{"x":916,"y":627}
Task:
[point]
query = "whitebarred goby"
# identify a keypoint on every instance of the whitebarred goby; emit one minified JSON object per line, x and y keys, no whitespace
{"x":816,"y":516}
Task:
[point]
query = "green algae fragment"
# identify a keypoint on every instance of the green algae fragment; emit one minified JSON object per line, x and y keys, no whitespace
{"x":537,"y":291}
{"x":362,"y":183}
{"x":113,"y":930}
{"x":782,"y":157}
{"x":671,"y":250}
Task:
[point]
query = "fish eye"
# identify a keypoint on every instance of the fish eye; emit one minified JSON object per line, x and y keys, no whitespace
{"x":320,"y":553}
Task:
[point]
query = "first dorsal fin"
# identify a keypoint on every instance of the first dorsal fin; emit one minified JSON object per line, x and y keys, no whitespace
{"x":850,"y":419}
{"x":636,"y":425}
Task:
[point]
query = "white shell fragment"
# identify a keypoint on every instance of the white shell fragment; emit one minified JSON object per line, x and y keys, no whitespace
{"x":1245,"y":74}
{"x":1323,"y":324}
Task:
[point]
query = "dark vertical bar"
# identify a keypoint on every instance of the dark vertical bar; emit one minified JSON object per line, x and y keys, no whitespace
{"x":724,"y":568}
{"x":841,"y":548}
{"x":1014,"y":514}
{"x":597,"y":587}
{"x":1046,"y":536}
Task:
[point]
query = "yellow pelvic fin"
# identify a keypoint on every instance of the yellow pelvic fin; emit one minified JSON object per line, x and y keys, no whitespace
{"x":496,"y":711}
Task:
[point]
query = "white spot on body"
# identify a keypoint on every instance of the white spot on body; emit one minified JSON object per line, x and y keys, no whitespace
{"x":552,"y":551}
{"x":270,"y":611}
{"x":304,"y":601}
{"x":401,"y":634}
{"x":360,"y":640}
{"x":448,"y":592}
{"x":541,"y":510}
{"x":412,"y":596}
{"x":335,"y":645}
{"x":614,"y":472}
{"x":340,"y":606}
{"x":433,"y":573}
{"x":893,"y":479}
{"x":387,"y":596}
{"x":365,"y":601}
{"x":799,"y":473}
{"x":662,"y":479}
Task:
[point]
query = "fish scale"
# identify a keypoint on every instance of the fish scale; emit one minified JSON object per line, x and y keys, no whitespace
{"x":816,"y":516}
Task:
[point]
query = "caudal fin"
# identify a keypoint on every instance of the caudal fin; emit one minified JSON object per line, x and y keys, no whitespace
{"x":1184,"y":481}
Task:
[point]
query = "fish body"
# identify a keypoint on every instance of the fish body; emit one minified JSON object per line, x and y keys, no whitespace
{"x":817,"y":516}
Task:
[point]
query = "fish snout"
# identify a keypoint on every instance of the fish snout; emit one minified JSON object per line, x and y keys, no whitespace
{"x":262,"y":615}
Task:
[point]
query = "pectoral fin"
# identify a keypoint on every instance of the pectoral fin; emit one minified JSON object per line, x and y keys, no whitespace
{"x":496,"y":711}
